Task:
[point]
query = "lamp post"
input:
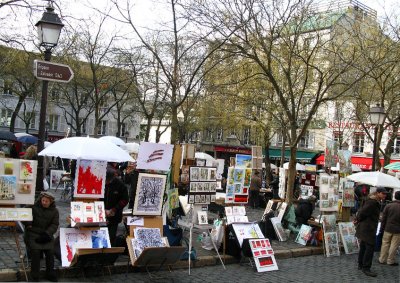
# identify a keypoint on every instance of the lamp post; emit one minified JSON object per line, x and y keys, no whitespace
{"x":377,"y":117}
{"x":49,"y":29}
{"x":47,"y":127}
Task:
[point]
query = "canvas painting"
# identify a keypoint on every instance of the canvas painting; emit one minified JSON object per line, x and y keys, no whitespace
{"x":280,"y":232}
{"x":329,"y":223}
{"x":90,"y":178}
{"x":8,"y":187}
{"x":331,"y":244}
{"x":100,"y":238}
{"x":8,"y":168}
{"x":304,"y":235}
{"x":26,"y":171}
{"x":350,"y":242}
{"x":345,"y":162}
{"x":155,"y":156}
{"x":202,"y":217}
{"x":243,"y":161}
{"x":348,"y":194}
{"x":149,"y":194}
{"x":55,"y":177}
{"x":70,"y":240}
{"x":246,"y":230}
{"x":25,"y":188}
{"x":173,"y":198}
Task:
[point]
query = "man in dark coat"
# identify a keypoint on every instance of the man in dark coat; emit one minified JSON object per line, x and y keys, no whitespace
{"x":39,"y":235}
{"x":304,"y":210}
{"x":255,"y":187}
{"x":366,"y":226}
{"x":115,"y":199}
{"x":390,"y":224}
{"x":131,"y":178}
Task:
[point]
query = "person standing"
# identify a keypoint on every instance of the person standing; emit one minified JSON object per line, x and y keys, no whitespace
{"x":39,"y":235}
{"x":131,"y":177}
{"x":255,"y":187}
{"x":115,"y":199}
{"x":366,"y":226}
{"x":390,"y":225}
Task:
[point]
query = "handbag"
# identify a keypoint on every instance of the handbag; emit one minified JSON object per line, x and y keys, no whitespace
{"x":193,"y":253}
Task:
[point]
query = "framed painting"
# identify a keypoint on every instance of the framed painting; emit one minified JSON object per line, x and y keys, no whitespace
{"x":90,"y":178}
{"x":55,"y":177}
{"x":243,"y":161}
{"x":155,"y":156}
{"x":149,"y":194}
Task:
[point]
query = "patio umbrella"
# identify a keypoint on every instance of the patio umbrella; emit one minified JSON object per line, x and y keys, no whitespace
{"x":8,"y":136}
{"x":115,"y":140}
{"x":393,"y":166}
{"x":132,"y":147}
{"x":376,"y":179}
{"x":86,"y":148}
{"x":203,"y":155}
{"x":26,"y":138}
{"x":299,"y":167}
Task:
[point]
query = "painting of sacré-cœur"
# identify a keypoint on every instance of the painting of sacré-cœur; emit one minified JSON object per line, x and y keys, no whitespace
{"x":149,"y":194}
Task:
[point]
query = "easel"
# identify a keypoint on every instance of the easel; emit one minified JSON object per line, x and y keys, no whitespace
{"x":13,"y":226}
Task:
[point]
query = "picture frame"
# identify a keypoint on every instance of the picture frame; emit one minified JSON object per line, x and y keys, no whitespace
{"x":149,"y":194}
{"x":90,"y":179}
{"x":55,"y":177}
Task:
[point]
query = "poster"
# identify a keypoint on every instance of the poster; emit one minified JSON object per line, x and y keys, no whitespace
{"x":243,"y":161}
{"x":154,"y":156}
{"x":149,"y":194}
{"x":348,"y":235}
{"x":90,"y":178}
{"x":55,"y":177}
{"x":263,"y":255}
{"x":246,"y":231}
{"x":328,"y":192}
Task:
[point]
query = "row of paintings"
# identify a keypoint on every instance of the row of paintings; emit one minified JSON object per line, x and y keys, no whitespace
{"x":203,"y":174}
{"x":87,"y":212}
{"x":200,"y":187}
{"x":17,"y":181}
{"x":201,"y":198}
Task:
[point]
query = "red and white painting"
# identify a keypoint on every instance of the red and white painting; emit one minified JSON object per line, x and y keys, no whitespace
{"x":90,"y":178}
{"x":154,"y":156}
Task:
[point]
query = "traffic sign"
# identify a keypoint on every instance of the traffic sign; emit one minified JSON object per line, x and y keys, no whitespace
{"x":44,"y":70}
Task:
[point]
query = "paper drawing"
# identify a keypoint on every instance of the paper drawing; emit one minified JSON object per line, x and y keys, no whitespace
{"x":149,"y":194}
{"x":154,"y":156}
{"x":24,"y":188}
{"x":202,"y":217}
{"x":194,"y":174}
{"x":8,"y":187}
{"x":90,"y":178}
{"x":8,"y":168}
{"x":147,"y":237}
{"x":70,"y":240}
{"x":26,"y":170}
{"x":247,"y":230}
{"x":100,"y":238}
{"x":243,"y":161}
{"x":304,"y":235}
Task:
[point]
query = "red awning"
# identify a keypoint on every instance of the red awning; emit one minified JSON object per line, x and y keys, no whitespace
{"x":365,"y":163}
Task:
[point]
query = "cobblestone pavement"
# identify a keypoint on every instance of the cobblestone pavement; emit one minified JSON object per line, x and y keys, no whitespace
{"x":302,"y":269}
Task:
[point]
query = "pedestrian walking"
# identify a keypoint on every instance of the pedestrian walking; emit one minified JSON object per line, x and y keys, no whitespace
{"x":255,"y":187}
{"x":39,"y":235}
{"x":390,"y":225}
{"x":366,"y":223}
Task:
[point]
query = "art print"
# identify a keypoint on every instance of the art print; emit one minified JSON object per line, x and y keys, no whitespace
{"x":149,"y":194}
{"x":331,"y":152}
{"x":246,"y":230}
{"x":148,"y":237}
{"x":203,"y":174}
{"x":55,"y":178}
{"x":348,"y":194}
{"x":194,"y":174}
{"x":350,"y":242}
{"x":26,"y":171}
{"x":329,"y":223}
{"x":100,"y":239}
{"x":247,"y":177}
{"x":202,"y":217}
{"x":99,"y":211}
{"x":90,"y":178}
{"x":191,"y":199}
{"x":25,"y":188}
{"x":331,"y":244}
{"x":70,"y":240}
{"x":345,"y":162}
{"x":8,"y":168}
{"x":212,"y":173}
{"x":8,"y":187}
{"x":173,"y":198}
{"x":243,"y":161}
{"x":238,"y":175}
{"x":154,"y":156}
{"x":304,"y":235}
{"x":15,"y":214}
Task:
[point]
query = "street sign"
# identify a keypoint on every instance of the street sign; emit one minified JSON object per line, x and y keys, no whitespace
{"x":47,"y":71}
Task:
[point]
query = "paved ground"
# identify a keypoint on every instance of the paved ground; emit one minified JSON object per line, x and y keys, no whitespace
{"x":303,"y":269}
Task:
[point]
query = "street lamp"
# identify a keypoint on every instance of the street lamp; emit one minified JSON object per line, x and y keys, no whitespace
{"x":49,"y":29}
{"x":377,"y":117}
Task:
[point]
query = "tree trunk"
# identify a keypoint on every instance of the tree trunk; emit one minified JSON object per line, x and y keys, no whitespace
{"x":291,"y":175}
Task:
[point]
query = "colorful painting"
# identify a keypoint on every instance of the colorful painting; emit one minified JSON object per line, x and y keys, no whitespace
{"x":329,"y":223}
{"x":348,"y":235}
{"x":331,"y":152}
{"x":26,"y":170}
{"x":24,"y":188}
{"x":345,"y":162}
{"x":304,"y":235}
{"x":331,"y":244}
{"x":173,"y":198}
{"x":328,"y":192}
{"x":149,"y":194}
{"x":8,"y":168}
{"x":90,"y":178}
{"x":154,"y":156}
{"x":243,"y":161}
{"x":55,"y":177}
{"x":263,"y":255}
{"x":70,"y":240}
{"x":100,"y":239}
{"x":246,"y":231}
{"x":8,"y":187}
{"x":347,"y":193}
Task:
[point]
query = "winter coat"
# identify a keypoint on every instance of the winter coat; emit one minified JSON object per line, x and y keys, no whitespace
{"x":44,"y":220}
{"x":391,"y":218}
{"x":303,"y":211}
{"x":115,"y":198}
{"x":367,"y":220}
{"x":255,"y":183}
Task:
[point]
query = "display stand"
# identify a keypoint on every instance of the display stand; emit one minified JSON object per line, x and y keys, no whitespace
{"x":13,"y":227}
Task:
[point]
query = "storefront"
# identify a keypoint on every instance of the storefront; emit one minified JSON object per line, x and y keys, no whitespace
{"x":363,"y":162}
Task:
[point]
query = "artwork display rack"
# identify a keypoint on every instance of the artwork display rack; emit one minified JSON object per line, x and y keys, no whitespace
{"x":13,"y":226}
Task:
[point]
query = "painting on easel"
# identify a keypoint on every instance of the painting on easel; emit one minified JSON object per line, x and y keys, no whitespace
{"x":149,"y":194}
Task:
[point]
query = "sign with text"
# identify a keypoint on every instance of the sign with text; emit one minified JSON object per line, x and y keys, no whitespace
{"x":54,"y":72}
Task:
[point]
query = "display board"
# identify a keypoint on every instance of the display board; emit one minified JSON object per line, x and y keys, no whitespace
{"x":90,"y":179}
{"x":263,"y":255}
{"x":238,"y":185}
{"x":17,"y":181}
{"x":203,"y":185}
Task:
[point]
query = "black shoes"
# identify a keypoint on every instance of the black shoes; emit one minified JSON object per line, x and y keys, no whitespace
{"x":52,"y":277}
{"x":369,"y":273}
{"x":394,"y":264}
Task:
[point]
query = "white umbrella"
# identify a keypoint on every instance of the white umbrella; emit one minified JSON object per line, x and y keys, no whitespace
{"x":203,"y":155}
{"x":86,"y":148}
{"x":273,"y":166}
{"x":376,"y":179}
{"x":46,"y":144}
{"x":115,"y":140}
{"x":299,"y":167}
{"x":132,"y":147}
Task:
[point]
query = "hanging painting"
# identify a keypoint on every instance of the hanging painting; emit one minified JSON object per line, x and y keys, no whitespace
{"x":8,"y":187}
{"x":55,"y":177}
{"x":90,"y":178}
{"x":149,"y":194}
{"x":154,"y":156}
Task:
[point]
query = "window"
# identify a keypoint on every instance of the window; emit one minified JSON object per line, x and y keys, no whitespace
{"x":339,"y":111}
{"x":338,"y":137}
{"x":102,"y":128}
{"x":307,"y":141}
{"x":279,"y":139}
{"x":31,"y":117}
{"x":246,"y":135}
{"x":209,"y":135}
{"x":396,"y":145}
{"x":358,"y":142}
{"x":220,"y":134}
{"x":5,"y":118}
{"x":54,"y":120}
{"x":82,"y":123}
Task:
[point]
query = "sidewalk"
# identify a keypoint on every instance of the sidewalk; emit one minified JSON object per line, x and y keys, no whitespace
{"x":10,"y":263}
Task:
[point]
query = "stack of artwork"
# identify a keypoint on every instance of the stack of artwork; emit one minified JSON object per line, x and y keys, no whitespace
{"x":149,"y":194}
{"x":90,"y":179}
{"x":328,"y":192}
{"x":263,"y":255}
{"x":304,"y":235}
{"x":246,"y":231}
{"x":235,"y":214}
{"x":238,"y":183}
{"x":203,"y":185}
{"x":282,"y":183}
{"x":256,"y":154}
{"x":17,"y":181}
{"x":87,"y":212}
{"x":330,"y":235}
{"x":280,"y":232}
{"x":72,"y":239}
{"x":348,"y":236}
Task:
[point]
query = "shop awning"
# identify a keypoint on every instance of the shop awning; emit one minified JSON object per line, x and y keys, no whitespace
{"x":301,"y":155}
{"x":364,"y":162}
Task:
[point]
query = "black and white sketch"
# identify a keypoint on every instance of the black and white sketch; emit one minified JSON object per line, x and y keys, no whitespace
{"x":194,"y":174}
{"x":149,"y":194}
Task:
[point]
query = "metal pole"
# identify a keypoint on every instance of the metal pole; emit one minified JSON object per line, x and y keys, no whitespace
{"x":42,"y":128}
{"x":374,"y":148}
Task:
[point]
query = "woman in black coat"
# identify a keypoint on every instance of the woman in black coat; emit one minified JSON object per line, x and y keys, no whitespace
{"x":39,"y":235}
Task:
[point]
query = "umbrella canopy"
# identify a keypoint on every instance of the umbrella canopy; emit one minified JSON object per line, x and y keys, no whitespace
{"x":299,"y":167}
{"x":86,"y":148}
{"x":26,"y":138}
{"x":114,"y":140}
{"x":8,"y":136}
{"x":376,"y":179}
{"x":132,"y":147}
{"x":203,"y":155}
{"x":393,"y":166}
{"x":273,"y":166}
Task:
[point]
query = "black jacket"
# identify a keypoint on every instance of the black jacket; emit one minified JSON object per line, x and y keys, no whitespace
{"x":303,"y":211}
{"x":367,"y":220}
{"x":115,"y":198}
